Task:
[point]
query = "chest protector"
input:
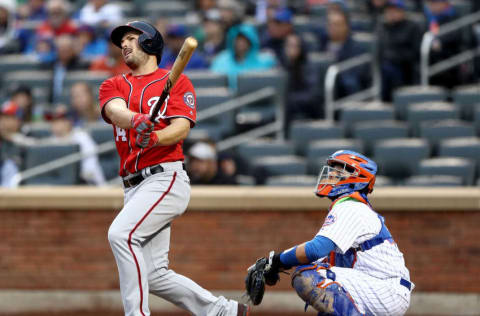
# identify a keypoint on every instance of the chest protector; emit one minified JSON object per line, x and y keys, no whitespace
{"x":348,"y":259}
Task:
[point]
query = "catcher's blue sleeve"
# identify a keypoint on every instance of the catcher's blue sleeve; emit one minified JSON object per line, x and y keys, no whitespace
{"x":316,"y":248}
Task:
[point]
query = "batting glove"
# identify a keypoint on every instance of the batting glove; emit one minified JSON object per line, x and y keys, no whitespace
{"x":141,"y":123}
{"x":146,"y":139}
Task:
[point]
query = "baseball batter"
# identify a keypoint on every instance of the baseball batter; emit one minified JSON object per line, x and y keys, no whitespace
{"x":156,"y":186}
{"x":353,"y":265}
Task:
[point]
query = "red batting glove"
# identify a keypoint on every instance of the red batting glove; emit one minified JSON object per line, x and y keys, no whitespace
{"x":141,"y":123}
{"x":147,"y":139}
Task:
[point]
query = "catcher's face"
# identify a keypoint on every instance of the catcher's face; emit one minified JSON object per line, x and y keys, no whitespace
{"x":132,"y":53}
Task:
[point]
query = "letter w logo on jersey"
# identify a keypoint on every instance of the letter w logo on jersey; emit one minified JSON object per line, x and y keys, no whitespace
{"x":161,"y":114}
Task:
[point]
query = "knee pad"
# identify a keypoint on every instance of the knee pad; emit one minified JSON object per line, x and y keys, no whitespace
{"x":315,"y":284}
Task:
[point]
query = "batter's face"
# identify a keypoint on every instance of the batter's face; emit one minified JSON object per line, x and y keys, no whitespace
{"x":132,"y":53}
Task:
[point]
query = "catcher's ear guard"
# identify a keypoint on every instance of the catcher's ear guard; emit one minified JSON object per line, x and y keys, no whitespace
{"x":255,"y":281}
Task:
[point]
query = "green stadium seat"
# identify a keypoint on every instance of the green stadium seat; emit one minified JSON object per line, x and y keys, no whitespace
{"x":318,"y":151}
{"x":439,"y":130}
{"x":208,"y":97}
{"x":449,"y":166}
{"x":39,"y":154}
{"x":279,"y":165}
{"x":38,"y":130}
{"x":433,"y":181}
{"x":354,"y":112}
{"x":399,"y":158}
{"x":303,"y":132}
{"x":402,"y":97}
{"x":465,"y":147}
{"x":263,"y":147}
{"x":292,"y":181}
{"x":93,"y":78}
{"x":370,"y":132}
{"x":467,"y":98}
{"x":206,"y":79}
{"x":429,"y":111}
{"x":32,"y":78}
{"x":19,"y":62}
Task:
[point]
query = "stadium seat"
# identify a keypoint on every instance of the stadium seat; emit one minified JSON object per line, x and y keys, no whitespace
{"x":38,"y":130}
{"x":433,"y":181}
{"x":40,"y":154}
{"x":302,"y":132}
{"x":365,"y":40}
{"x":292,"y":181}
{"x":206,"y":79}
{"x":93,"y":78}
{"x":254,"y":116}
{"x":319,"y":151}
{"x":476,"y":119}
{"x":402,"y":97}
{"x":206,"y":131}
{"x":466,"y":147}
{"x":254,"y":80}
{"x":353,"y":112}
{"x":263,"y":147}
{"x":268,"y":166}
{"x":466,"y":97}
{"x":208,"y":97}
{"x":429,"y":111}
{"x":449,"y":166}
{"x":32,"y":78}
{"x":383,"y":181}
{"x":19,"y":62}
{"x":439,"y":130}
{"x":371,"y":132}
{"x":399,"y":158}
{"x":110,"y":162}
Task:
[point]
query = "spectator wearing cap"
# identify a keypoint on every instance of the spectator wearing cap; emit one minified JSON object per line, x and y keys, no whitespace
{"x":203,"y":168}
{"x":100,"y":14}
{"x":399,"y":47}
{"x":341,"y":45}
{"x":176,"y":34}
{"x":439,"y":12}
{"x":89,"y":44}
{"x":278,"y":28}
{"x":11,"y":121}
{"x":61,"y":123}
{"x":242,"y":54}
{"x":8,"y":42}
{"x":22,"y":96}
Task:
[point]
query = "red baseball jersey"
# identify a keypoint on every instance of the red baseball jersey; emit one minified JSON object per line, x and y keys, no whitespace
{"x":141,"y":93}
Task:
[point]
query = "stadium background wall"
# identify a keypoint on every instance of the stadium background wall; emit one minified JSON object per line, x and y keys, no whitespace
{"x":56,"y":238}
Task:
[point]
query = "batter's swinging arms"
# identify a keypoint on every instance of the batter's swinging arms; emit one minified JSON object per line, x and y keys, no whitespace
{"x":352,"y":267}
{"x":156,"y":187}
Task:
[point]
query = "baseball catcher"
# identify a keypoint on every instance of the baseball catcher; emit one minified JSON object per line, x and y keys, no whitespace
{"x":352,"y":266}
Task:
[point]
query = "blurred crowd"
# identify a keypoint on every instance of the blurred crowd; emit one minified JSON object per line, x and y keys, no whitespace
{"x":235,"y":36}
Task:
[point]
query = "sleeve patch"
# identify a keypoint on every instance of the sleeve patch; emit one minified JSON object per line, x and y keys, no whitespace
{"x":189,"y":99}
{"x":329,"y":220}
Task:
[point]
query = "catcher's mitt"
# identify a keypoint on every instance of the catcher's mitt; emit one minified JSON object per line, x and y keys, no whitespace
{"x":258,"y":274}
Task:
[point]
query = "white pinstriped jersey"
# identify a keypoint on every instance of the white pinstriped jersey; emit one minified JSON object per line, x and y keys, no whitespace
{"x":374,"y":280}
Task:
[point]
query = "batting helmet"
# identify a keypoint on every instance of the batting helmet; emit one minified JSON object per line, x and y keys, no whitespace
{"x":346,"y":172}
{"x":150,"y":39}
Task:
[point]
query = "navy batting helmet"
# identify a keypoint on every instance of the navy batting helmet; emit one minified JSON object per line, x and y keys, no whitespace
{"x":150,"y":39}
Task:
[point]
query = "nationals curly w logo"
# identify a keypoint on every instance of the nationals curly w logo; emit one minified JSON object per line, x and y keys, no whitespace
{"x":151,"y":104}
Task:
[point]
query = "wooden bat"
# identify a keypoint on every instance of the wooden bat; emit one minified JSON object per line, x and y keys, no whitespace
{"x":183,"y":57}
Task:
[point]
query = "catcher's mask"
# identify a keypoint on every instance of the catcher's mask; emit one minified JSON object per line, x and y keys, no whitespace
{"x":346,"y":172}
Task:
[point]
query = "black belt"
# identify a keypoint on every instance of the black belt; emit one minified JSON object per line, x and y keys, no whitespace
{"x":406,"y":283}
{"x":133,"y":181}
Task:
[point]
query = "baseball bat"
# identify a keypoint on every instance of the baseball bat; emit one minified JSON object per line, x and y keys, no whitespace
{"x":181,"y":61}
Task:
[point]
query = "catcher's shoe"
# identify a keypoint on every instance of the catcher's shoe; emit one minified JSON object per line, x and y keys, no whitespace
{"x":243,"y":310}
